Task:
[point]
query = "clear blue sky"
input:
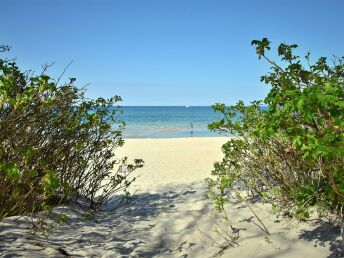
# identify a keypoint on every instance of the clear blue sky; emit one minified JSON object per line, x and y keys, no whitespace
{"x":166,"y":52}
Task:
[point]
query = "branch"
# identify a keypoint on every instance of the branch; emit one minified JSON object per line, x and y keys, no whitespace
{"x":273,"y":63}
{"x":64,"y":70}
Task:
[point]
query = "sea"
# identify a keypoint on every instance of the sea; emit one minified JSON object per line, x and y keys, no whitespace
{"x":168,"y":121}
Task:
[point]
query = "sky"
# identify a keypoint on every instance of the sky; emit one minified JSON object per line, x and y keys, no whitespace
{"x":166,"y":52}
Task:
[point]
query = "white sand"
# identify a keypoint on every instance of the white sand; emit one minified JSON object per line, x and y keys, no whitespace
{"x":170,"y":216}
{"x":172,"y":161}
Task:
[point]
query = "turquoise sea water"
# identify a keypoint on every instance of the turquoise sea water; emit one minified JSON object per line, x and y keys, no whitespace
{"x":168,"y":122}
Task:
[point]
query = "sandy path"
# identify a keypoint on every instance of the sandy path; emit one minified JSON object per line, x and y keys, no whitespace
{"x":170,"y":216}
{"x":172,"y":161}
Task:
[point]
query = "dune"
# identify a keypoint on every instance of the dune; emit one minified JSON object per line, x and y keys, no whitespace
{"x":170,"y":216}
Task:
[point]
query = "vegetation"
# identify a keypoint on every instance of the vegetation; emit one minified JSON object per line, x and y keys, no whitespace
{"x":290,"y":153}
{"x":56,"y":145}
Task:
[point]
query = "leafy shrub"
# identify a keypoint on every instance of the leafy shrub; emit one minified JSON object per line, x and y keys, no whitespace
{"x":291,"y":152}
{"x":56,"y":145}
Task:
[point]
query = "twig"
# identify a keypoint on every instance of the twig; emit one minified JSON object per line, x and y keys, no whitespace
{"x":64,"y":71}
{"x":253,"y":212}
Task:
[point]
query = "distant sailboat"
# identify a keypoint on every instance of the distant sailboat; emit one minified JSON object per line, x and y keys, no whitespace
{"x":187,"y":106}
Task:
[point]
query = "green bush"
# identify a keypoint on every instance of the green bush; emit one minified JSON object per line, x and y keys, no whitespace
{"x":56,"y":145}
{"x":290,"y":153}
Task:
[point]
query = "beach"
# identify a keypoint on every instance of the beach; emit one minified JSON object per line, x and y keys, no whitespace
{"x":172,"y":161}
{"x":177,"y":129}
{"x":170,"y":215}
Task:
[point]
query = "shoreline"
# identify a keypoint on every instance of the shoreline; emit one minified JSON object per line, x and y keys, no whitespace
{"x":183,"y":137}
{"x":178,"y":137}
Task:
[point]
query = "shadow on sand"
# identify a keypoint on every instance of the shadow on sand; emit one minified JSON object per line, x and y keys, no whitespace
{"x":325,"y":233}
{"x":152,"y":224}
{"x":123,"y":232}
